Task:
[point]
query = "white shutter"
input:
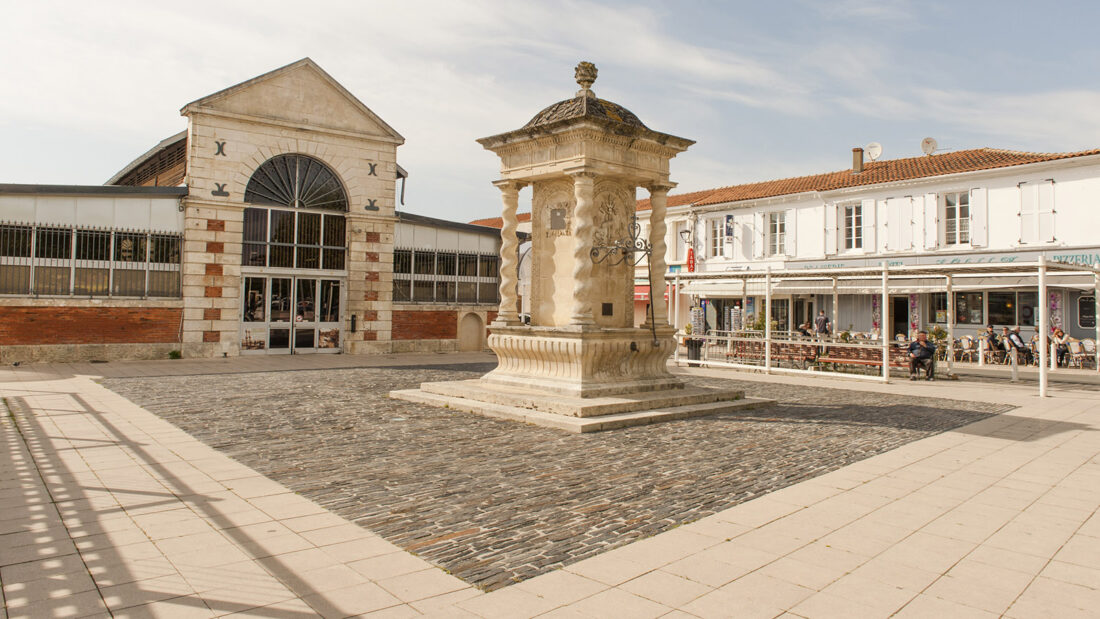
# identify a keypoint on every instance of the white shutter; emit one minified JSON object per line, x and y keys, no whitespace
{"x":916,"y":231}
{"x":791,"y":222}
{"x":759,"y":235}
{"x":1029,"y":210}
{"x":882,"y":216}
{"x":746,"y":237}
{"x":1045,"y":209}
{"x":831,"y":234}
{"x":979,"y":218}
{"x":905,"y":235}
{"x":893,"y":224}
{"x":869,"y":226}
{"x":931,"y":221}
{"x":728,"y":234}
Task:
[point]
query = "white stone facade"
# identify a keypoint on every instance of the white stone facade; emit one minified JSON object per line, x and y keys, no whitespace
{"x":297,"y":109}
{"x":1014,"y":214}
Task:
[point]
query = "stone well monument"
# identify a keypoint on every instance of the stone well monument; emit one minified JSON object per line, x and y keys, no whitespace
{"x":580,"y":364}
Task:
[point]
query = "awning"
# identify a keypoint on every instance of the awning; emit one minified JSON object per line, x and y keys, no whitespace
{"x":641,"y":293}
{"x":735,"y":288}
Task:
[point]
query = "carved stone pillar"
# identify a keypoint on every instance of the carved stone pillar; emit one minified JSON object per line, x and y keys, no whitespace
{"x":658,"y":200}
{"x":583,"y":224}
{"x":509,"y":261}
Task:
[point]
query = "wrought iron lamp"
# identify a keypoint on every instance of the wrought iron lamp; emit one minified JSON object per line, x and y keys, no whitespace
{"x":630,"y":249}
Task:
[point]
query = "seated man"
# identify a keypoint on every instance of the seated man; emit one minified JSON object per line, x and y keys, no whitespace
{"x":1021,"y":347}
{"x":922,"y":354}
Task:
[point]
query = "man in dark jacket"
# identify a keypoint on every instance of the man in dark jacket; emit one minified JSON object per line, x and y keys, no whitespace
{"x":922,"y":354}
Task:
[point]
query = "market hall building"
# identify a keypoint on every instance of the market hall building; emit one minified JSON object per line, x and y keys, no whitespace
{"x":267,"y":227}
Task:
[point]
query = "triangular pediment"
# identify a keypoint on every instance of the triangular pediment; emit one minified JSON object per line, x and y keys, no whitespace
{"x":299,"y":94}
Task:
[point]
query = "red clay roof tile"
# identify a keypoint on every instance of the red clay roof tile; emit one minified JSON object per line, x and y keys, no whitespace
{"x":874,"y":172}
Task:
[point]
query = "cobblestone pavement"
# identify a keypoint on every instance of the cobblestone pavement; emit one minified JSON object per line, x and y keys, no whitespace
{"x":496,"y":502}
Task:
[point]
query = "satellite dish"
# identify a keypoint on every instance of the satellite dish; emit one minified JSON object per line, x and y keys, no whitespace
{"x":928,"y":145}
{"x":873,"y":150}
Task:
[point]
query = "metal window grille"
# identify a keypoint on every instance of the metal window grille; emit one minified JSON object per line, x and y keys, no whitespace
{"x":294,"y":239}
{"x":429,"y":276}
{"x":46,"y":260}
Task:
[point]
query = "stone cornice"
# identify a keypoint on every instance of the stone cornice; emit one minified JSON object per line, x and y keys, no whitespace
{"x":277,"y":122}
{"x":589,"y":134}
{"x":630,"y":132}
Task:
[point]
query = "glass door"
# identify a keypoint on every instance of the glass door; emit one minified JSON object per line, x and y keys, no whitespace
{"x":288,"y":315}
{"x":328,"y":316}
{"x":281,"y":303}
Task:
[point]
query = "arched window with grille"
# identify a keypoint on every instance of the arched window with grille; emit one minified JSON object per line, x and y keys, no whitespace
{"x":296,"y":217}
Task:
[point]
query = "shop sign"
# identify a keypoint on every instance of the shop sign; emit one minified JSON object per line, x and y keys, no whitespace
{"x":691,"y":260}
{"x":1084,"y":257}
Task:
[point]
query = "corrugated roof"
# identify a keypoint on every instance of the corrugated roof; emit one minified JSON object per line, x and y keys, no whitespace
{"x":163,"y":145}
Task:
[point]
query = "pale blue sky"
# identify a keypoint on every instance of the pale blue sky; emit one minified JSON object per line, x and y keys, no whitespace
{"x":767,"y":89}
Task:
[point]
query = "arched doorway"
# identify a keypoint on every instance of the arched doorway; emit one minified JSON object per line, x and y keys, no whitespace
{"x":471,"y":333}
{"x":294,"y":257}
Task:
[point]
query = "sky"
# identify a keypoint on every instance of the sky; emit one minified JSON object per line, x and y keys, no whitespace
{"x":767,"y":89}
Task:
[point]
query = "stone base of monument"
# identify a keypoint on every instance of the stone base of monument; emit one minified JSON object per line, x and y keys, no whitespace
{"x":583,"y":361}
{"x":575,"y":414}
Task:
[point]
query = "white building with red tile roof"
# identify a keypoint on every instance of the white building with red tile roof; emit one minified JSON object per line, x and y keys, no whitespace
{"x":983,"y":205}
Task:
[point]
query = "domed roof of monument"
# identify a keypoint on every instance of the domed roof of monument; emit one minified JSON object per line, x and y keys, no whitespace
{"x":585,"y":105}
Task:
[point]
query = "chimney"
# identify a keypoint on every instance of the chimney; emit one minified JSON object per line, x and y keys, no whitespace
{"x":857,"y":160}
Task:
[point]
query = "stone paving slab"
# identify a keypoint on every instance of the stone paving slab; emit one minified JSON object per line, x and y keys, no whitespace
{"x":495,"y":502}
{"x":999,"y":518}
{"x":108,"y":510}
{"x":995,"y":518}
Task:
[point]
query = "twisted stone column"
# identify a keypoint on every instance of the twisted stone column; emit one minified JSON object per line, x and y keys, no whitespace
{"x":583,"y":225}
{"x":658,"y":200}
{"x":509,"y":260}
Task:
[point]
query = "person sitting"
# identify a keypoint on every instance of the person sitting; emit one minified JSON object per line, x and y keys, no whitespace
{"x":992,"y":344}
{"x":1061,"y":346}
{"x":922,"y":354}
{"x":804,"y":330}
{"x":1019,"y":346}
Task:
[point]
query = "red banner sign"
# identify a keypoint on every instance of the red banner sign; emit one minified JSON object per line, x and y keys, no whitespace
{"x":691,"y":260}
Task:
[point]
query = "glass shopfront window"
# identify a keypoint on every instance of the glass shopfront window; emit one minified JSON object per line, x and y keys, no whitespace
{"x":938,"y":307}
{"x":1028,"y":304}
{"x":1086,"y":312}
{"x":968,"y":308}
{"x":1002,"y":308}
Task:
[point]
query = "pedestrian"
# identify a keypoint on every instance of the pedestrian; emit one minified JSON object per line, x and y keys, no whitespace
{"x":822,"y":324}
{"x":922,"y":354}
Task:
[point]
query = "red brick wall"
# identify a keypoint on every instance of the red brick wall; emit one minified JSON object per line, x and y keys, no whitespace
{"x":88,"y":325}
{"x":425,"y":325}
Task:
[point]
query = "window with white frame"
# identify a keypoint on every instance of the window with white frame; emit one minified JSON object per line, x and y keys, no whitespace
{"x":956,"y":218}
{"x":777,"y":234}
{"x":716,"y":237}
{"x":852,"y":226}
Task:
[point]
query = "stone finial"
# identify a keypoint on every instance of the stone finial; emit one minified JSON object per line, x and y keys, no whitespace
{"x":585,"y":74}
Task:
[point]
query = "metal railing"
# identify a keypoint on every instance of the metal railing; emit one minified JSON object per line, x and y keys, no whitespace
{"x":51,"y":260}
{"x":787,"y":352}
